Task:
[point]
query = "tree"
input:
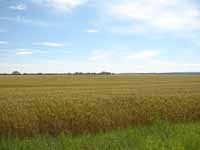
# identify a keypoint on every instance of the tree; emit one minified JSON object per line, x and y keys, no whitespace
{"x":16,"y":73}
{"x":105,"y":73}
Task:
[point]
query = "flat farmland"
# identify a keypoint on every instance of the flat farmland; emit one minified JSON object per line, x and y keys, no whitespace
{"x":74,"y":104}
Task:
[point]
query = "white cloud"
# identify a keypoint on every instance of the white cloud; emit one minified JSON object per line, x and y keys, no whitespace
{"x":82,"y":66}
{"x":144,"y":55}
{"x":20,"y":19}
{"x":100,"y":55}
{"x":61,"y":5}
{"x":50,"y":44}
{"x":170,"y":15}
{"x":167,"y":66}
{"x":108,"y":60}
{"x":37,"y":51}
{"x":24,"y":52}
{"x":18,"y":7}
{"x":91,"y":30}
{"x":123,"y":55}
{"x":192,"y":65}
{"x":128,"y":29}
{"x":3,"y":43}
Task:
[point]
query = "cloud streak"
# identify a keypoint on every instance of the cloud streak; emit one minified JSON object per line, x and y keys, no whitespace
{"x":3,"y":42}
{"x":24,"y":52}
{"x":19,"y":19}
{"x":144,"y":55}
{"x":100,"y":55}
{"x":91,"y":31}
{"x":50,"y":44}
{"x":29,"y":51}
{"x":18,"y":7}
{"x":61,"y":5}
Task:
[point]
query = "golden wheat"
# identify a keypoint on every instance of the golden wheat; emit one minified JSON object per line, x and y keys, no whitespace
{"x":31,"y":105}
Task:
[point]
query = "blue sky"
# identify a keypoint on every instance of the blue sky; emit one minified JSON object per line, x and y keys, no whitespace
{"x":99,"y":35}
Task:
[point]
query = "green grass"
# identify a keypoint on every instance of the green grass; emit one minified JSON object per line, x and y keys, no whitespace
{"x":157,"y":136}
{"x":39,"y":105}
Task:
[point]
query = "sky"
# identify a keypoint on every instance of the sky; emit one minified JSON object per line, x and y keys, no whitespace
{"x":57,"y":36}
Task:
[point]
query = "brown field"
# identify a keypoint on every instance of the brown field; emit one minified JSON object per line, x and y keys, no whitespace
{"x":55,"y":104}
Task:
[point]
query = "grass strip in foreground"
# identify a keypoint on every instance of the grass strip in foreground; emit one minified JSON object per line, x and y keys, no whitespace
{"x":157,"y":136}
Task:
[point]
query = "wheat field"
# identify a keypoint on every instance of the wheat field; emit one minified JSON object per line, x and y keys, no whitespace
{"x":70,"y":104}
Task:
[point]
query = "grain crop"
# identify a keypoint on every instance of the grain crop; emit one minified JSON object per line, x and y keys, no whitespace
{"x":70,"y":104}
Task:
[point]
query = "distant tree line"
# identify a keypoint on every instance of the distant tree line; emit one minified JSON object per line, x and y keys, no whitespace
{"x":102,"y":73}
{"x":75,"y":73}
